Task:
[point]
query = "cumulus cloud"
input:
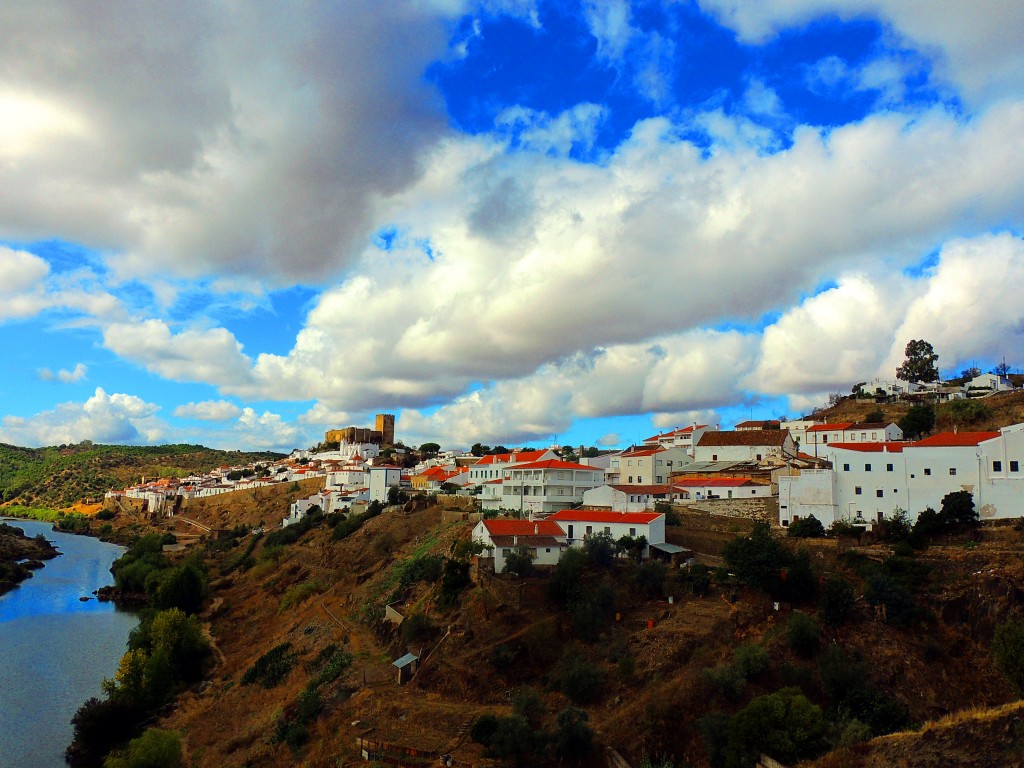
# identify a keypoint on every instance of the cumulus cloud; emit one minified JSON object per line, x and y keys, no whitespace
{"x":22,"y":283}
{"x":103,"y":418}
{"x":63,"y":375}
{"x":209,"y":410}
{"x":212,"y":355}
{"x":609,"y":440}
{"x":979,"y":49}
{"x":224,"y":138}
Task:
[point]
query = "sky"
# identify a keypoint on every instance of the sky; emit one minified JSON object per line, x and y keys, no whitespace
{"x":504,"y":221}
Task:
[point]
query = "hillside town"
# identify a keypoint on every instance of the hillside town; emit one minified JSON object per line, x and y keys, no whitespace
{"x":548,"y":499}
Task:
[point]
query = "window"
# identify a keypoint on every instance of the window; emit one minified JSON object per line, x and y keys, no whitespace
{"x":632,"y":532}
{"x":714,"y":457}
{"x":878,"y":493}
{"x":590,"y":529}
{"x":867,"y":467}
{"x":927,"y":470}
{"x":846,"y":467}
{"x":952,"y":470}
{"x":759,"y":457}
{"x":631,"y":479}
{"x":888,"y":467}
{"x":863,"y":435}
{"x":857,"y":490}
{"x":1014,"y":466}
{"x":608,"y":530}
{"x":997,"y":466}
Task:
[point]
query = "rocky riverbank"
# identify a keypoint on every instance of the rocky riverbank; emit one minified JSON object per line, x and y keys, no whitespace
{"x":20,"y":555}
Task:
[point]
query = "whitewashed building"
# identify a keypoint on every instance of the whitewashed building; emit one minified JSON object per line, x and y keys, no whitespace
{"x":381,"y":480}
{"x":544,"y":539}
{"x":868,"y":481}
{"x":579,"y":524}
{"x":760,"y":445}
{"x":547,"y":486}
{"x":626,"y":498}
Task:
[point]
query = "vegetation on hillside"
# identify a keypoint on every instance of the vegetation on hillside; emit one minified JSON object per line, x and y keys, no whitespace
{"x":59,"y":476}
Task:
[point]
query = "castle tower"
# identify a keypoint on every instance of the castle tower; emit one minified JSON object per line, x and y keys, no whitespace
{"x":385,"y":424}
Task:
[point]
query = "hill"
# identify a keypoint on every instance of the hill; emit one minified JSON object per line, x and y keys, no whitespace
{"x":653,"y":677}
{"x":989,"y":413}
{"x":59,"y":476}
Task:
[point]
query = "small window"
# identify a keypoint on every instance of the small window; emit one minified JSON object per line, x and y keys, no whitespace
{"x":997,"y":466}
{"x":1014,"y":466}
{"x":888,"y":467}
{"x":590,"y":529}
{"x":857,"y":490}
{"x":952,"y":470}
{"x":927,"y":470}
{"x":714,"y":457}
{"x":846,"y":467}
{"x":607,"y":530}
{"x":879,"y":493}
{"x":867,"y":467}
{"x":632,"y":532}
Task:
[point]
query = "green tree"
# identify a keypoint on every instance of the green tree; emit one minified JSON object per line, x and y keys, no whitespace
{"x":479,"y":449}
{"x":568,"y":453}
{"x":958,"y":510}
{"x":573,"y":740}
{"x":785,"y":725}
{"x":430,"y":448}
{"x":1008,"y":651}
{"x":519,"y":562}
{"x":918,"y":420}
{"x":757,"y":559}
{"x":837,"y":600}
{"x":919,"y":364}
{"x":155,"y":748}
{"x":808,"y":527}
{"x":803,"y":634}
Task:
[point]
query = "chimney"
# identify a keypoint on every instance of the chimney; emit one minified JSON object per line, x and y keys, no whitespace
{"x":536,"y":529}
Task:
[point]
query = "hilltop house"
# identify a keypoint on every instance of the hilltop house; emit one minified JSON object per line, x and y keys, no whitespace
{"x":626,"y":498}
{"x":579,"y":524}
{"x":850,"y":432}
{"x":548,"y":485}
{"x":646,"y":466}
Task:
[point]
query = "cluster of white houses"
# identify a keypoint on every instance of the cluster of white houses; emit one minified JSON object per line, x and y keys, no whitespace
{"x":869,"y":480}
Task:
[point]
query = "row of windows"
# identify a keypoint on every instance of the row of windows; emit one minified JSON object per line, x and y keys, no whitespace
{"x":997,"y":466}
{"x":867,"y":468}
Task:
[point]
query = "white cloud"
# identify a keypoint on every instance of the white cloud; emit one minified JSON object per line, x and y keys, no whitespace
{"x":209,"y":410}
{"x":980,"y":48}
{"x":103,"y":418}
{"x":22,"y":283}
{"x":212,"y":356}
{"x":609,"y":440}
{"x":229,"y":138}
{"x":63,"y":375}
{"x":684,"y":419}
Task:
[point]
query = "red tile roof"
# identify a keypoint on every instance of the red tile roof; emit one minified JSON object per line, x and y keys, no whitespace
{"x":749,"y":437}
{"x":889,"y":447}
{"x":955,"y":439}
{"x":759,"y":424}
{"x":523,"y":528}
{"x":644,"y":451}
{"x":654,"y":490}
{"x":508,"y":458}
{"x":599,"y":516}
{"x":839,"y":426}
{"x":556,"y":464}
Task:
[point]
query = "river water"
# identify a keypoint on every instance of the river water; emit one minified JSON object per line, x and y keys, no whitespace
{"x":55,"y":650}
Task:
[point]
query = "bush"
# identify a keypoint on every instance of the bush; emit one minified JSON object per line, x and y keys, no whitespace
{"x":519,"y":562}
{"x":726,"y":680}
{"x":573,"y":740}
{"x":649,"y":578}
{"x":1008,"y":651}
{"x":105,"y":514}
{"x":751,"y":660}
{"x":272,"y":667}
{"x":757,"y":559}
{"x":803,"y":634}
{"x":898,"y":603}
{"x":785,"y":725}
{"x":526,"y":702}
{"x":565,"y":580}
{"x":591,"y":610}
{"x":837,"y":600}
{"x":483,"y":729}
{"x":454,"y":579}
{"x":100,"y":726}
{"x":416,"y":628}
{"x":798,"y":583}
{"x":894,"y":528}
{"x":155,"y":748}
{"x":700,"y":580}
{"x":580,"y":680}
{"x":806,"y":528}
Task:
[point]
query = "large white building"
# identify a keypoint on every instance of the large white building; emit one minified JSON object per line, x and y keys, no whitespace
{"x":760,"y":445}
{"x":580,"y":524}
{"x":821,"y":435}
{"x":646,"y":466}
{"x":871,"y":480}
{"x":544,"y":540}
{"x":547,"y":486}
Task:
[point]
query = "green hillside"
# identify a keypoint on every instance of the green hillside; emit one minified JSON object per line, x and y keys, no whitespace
{"x":59,"y":476}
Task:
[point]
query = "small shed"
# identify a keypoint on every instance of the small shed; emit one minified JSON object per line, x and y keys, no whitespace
{"x":406,"y":667}
{"x":672,"y":554}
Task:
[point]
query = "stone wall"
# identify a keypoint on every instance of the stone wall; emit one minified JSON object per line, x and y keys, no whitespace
{"x":750,"y":509}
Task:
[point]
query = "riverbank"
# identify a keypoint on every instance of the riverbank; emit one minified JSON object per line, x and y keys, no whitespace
{"x":20,"y":555}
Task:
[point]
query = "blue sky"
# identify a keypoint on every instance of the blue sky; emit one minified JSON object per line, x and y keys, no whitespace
{"x":506,"y":221}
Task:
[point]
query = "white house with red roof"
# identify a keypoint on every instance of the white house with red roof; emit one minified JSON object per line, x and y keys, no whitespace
{"x":579,"y":524}
{"x":765,"y":446}
{"x":685,"y":437}
{"x":626,"y":498}
{"x":493,"y":465}
{"x":544,"y":539}
{"x":702,"y":488}
{"x":871,"y":480}
{"x":547,"y":486}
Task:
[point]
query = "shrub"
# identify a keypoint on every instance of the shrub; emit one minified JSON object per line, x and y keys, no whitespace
{"x":844,"y":528}
{"x":591,"y":610}
{"x":573,"y":740}
{"x":483,"y":729}
{"x":527,"y":703}
{"x":837,"y":600}
{"x":806,"y":528}
{"x":519,"y":562}
{"x":894,"y":528}
{"x":649,"y":578}
{"x":155,"y":748}
{"x":727,"y":680}
{"x":751,"y":660}
{"x":785,"y":725}
{"x":299,"y":592}
{"x":513,"y":738}
{"x":272,"y":667}
{"x":580,"y":680}
{"x":454,"y":579}
{"x":416,"y":628}
{"x":700,"y":580}
{"x":566,"y":578}
{"x":105,"y":514}
{"x":1008,"y":651}
{"x":803,"y":634}
{"x":798,"y":583}
{"x":899,"y":605}
{"x":758,"y":558}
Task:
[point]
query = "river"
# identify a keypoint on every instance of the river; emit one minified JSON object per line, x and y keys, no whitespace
{"x":55,"y":650}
